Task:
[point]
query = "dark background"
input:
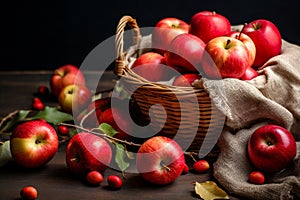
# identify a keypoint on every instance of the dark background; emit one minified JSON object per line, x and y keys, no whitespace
{"x":45,"y":34}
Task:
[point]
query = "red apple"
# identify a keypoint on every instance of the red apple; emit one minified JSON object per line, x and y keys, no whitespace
{"x":74,"y":98}
{"x":229,"y":55}
{"x":160,"y":160}
{"x":87,"y":152}
{"x":65,"y":75}
{"x":186,"y":80}
{"x":256,"y":177}
{"x":116,"y":117}
{"x":152,"y":66}
{"x":267,"y":40}
{"x":29,"y":193}
{"x":271,"y":148}
{"x":33,"y":143}
{"x":247,"y":42}
{"x":250,"y":74}
{"x":165,"y":31}
{"x":208,"y":25}
{"x":185,"y":53}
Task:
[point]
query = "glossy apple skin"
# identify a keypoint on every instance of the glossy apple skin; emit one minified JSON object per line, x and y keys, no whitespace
{"x":165,"y":31}
{"x":29,"y":193}
{"x":229,"y":55}
{"x":208,"y":25}
{"x":87,"y":152}
{"x":65,"y":75}
{"x":152,"y":66}
{"x":185,"y":53}
{"x":247,"y":42}
{"x":33,"y":143}
{"x":160,"y":160}
{"x":116,"y":117}
{"x":271,"y":148}
{"x":267,"y":40}
{"x":74,"y":98}
{"x":250,"y":74}
{"x":186,"y":80}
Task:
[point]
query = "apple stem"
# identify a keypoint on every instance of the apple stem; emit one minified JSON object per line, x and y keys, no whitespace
{"x":165,"y":167}
{"x":245,"y":24}
{"x":227,"y":44}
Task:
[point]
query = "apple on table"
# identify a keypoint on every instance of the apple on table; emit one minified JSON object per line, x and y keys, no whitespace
{"x":271,"y":148}
{"x":160,"y":160}
{"x":33,"y":143}
{"x":87,"y":152}
{"x":65,"y":75}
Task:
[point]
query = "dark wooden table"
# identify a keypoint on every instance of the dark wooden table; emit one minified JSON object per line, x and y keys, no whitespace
{"x":53,"y":181}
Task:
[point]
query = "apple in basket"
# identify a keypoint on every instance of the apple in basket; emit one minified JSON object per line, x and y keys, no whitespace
{"x":152,"y":66}
{"x":225,"y":57}
{"x":165,"y":31}
{"x":186,"y":80}
{"x":267,"y":40}
{"x":65,"y":75}
{"x":208,"y":25}
{"x":271,"y":148}
{"x":160,"y":160}
{"x":87,"y":152}
{"x":248,"y":43}
{"x":185,"y":53}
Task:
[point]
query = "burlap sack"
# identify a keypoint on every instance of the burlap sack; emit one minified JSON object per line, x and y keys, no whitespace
{"x":269,"y":98}
{"x":273,"y":97}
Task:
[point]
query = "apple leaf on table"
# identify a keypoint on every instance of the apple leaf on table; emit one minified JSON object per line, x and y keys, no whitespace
{"x":209,"y":190}
{"x":5,"y":154}
{"x":53,"y":115}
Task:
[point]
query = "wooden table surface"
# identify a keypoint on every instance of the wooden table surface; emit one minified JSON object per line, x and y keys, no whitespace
{"x":53,"y":181}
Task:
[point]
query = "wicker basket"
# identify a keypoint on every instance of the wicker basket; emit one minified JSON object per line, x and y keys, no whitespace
{"x":190,"y":114}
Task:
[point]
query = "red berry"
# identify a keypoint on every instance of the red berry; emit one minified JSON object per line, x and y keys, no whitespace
{"x":114,"y":182}
{"x":42,"y":90}
{"x":38,"y":104}
{"x":63,"y":130}
{"x":29,"y":193}
{"x":201,"y":166}
{"x":256,"y":177}
{"x":185,"y":169}
{"x":94,"y":177}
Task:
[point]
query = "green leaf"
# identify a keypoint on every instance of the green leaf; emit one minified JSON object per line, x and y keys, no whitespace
{"x":53,"y":115}
{"x":107,"y":129}
{"x":21,"y":115}
{"x":209,"y":190}
{"x":120,"y":157}
{"x":5,"y":154}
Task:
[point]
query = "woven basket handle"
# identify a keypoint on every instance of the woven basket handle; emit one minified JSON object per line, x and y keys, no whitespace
{"x":119,"y":41}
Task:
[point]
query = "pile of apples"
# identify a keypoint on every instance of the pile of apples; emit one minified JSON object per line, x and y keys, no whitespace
{"x":207,"y":47}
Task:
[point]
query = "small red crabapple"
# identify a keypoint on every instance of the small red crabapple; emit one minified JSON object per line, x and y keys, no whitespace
{"x":114,"y":182}
{"x":29,"y":193}
{"x":94,"y":177}
{"x":256,"y":177}
{"x":201,"y":166}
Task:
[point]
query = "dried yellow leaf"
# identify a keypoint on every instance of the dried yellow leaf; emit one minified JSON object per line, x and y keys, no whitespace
{"x":209,"y":190}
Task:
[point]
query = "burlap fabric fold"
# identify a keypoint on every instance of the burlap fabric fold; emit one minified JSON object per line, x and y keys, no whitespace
{"x":272,"y":97}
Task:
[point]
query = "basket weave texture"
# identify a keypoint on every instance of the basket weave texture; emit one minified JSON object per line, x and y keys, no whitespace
{"x":188,"y":113}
